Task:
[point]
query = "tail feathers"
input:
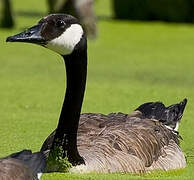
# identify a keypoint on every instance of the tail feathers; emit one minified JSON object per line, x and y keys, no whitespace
{"x":170,"y":116}
{"x":35,"y":162}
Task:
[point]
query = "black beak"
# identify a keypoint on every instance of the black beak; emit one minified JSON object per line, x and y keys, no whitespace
{"x":31,"y":35}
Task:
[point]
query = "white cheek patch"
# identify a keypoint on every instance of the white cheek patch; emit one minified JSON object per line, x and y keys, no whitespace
{"x":66,"y":42}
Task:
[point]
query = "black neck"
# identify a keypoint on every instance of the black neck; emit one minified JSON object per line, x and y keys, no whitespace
{"x":76,"y":72}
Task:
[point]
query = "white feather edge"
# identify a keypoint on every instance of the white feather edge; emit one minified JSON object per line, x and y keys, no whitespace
{"x":177,"y":126}
{"x":39,"y":175}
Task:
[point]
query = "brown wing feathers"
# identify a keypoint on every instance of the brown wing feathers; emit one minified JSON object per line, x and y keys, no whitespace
{"x":126,"y":143}
{"x":129,"y":139}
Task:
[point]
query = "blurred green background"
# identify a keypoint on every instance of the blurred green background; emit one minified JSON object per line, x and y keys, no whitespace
{"x":166,"y":10}
{"x":130,"y":63}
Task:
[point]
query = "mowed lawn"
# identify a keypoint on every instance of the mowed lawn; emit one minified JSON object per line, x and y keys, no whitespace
{"x":130,"y":63}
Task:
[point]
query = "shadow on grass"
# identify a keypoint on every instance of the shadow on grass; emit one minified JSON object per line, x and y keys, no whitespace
{"x":113,"y":18}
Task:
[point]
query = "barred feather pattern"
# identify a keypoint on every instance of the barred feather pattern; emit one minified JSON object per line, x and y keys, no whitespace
{"x":13,"y":169}
{"x":125,"y":143}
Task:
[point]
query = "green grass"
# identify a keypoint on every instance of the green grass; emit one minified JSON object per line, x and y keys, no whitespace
{"x":130,"y":63}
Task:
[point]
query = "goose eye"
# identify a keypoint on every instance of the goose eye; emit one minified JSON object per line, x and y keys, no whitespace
{"x":60,"y":23}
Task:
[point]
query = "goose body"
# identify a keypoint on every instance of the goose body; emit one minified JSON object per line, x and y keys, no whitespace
{"x":139,"y":142}
{"x":120,"y":142}
{"x":23,"y":165}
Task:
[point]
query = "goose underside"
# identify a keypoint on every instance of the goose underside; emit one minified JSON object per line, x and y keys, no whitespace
{"x":125,"y":143}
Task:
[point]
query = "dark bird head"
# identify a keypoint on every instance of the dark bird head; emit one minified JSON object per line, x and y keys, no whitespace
{"x":169,"y":116}
{"x":59,"y":32}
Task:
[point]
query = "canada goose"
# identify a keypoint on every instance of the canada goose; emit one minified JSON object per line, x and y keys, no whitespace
{"x":23,"y":165}
{"x":103,"y":143}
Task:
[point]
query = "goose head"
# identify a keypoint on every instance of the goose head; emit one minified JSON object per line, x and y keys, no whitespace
{"x":61,"y":33}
